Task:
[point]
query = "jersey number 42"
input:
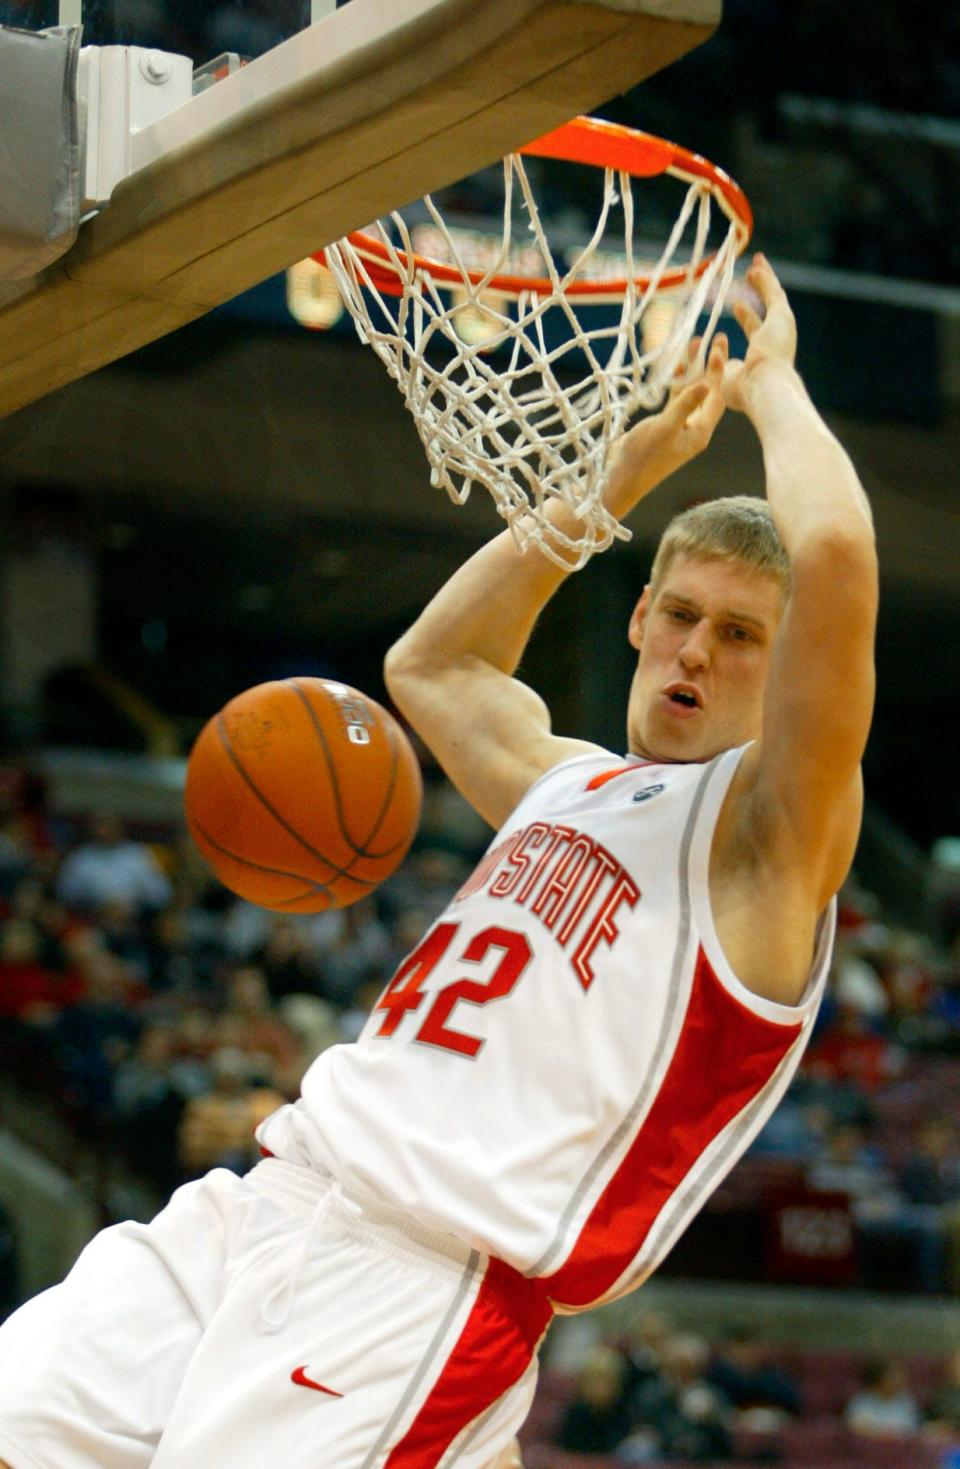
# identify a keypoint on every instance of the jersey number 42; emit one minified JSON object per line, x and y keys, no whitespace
{"x":405,"y":994}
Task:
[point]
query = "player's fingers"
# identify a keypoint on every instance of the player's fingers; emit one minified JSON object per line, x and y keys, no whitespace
{"x":710,"y":411}
{"x":682,"y":368}
{"x":731,"y":383}
{"x":747,"y":319}
{"x":765,"y":281}
{"x":686,"y":400}
{"x":719,"y":353}
{"x":703,"y":397}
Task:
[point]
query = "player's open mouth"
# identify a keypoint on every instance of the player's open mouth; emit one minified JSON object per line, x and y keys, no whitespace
{"x":684,"y":696}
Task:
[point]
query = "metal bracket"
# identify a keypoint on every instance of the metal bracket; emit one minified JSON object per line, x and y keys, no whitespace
{"x":121,"y":90}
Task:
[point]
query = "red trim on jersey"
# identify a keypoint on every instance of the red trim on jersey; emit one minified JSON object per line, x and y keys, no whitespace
{"x":597,"y":781}
{"x":493,"y":1351}
{"x":726,"y":1054}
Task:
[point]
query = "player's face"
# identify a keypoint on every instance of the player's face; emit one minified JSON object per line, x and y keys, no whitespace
{"x":704,"y":637}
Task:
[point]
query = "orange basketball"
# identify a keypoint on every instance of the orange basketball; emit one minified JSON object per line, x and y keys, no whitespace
{"x":303,"y":795}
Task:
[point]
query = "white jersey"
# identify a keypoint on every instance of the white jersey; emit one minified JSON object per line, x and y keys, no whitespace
{"x":566,"y":1066}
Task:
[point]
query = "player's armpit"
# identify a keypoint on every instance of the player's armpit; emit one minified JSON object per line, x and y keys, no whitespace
{"x":490,"y":732}
{"x":806,"y":795}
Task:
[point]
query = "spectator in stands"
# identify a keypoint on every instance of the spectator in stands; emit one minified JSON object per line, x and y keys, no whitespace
{"x":884,"y":1407}
{"x":429,"y":879}
{"x":216,"y":1130}
{"x":91,"y":1037}
{"x":118,"y":922}
{"x":850,"y":1051}
{"x":353,"y":1020}
{"x":848,"y":1165}
{"x":244,"y":928}
{"x":908,"y":978}
{"x":26,"y":842}
{"x":108,"y":866}
{"x":10,"y":1288}
{"x":943,"y":1409}
{"x":261,"y":1032}
{"x":15,"y":854}
{"x":930,"y":1184}
{"x":688,"y":1416}
{"x":596,"y":1421}
{"x":150,"y":1091}
{"x":32,"y":995}
{"x":741,"y":1369}
{"x":856,"y":985}
{"x":288,"y":960}
{"x":945,"y":1003}
{"x":32,"y":902}
{"x":903,"y":1222}
{"x":931,"y":1174}
{"x":177,"y":960}
{"x":146,"y":1076}
{"x":858,"y":909}
{"x":405,"y":931}
{"x":31,"y":990}
{"x":643,"y":1347}
{"x":193,"y":1045}
{"x":899,"y":1244}
{"x":357,"y":949}
{"x":796,"y":1129}
{"x":314,"y":1022}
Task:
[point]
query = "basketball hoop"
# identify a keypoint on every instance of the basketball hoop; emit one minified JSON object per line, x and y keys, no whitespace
{"x":514,"y":426}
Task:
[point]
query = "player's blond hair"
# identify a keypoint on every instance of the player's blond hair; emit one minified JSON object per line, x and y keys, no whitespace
{"x":737,"y":528}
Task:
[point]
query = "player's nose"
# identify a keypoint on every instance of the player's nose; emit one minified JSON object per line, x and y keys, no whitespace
{"x":695,"y":649}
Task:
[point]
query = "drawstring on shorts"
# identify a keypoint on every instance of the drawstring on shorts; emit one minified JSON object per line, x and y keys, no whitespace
{"x":275,"y":1311}
{"x":320,"y":1202}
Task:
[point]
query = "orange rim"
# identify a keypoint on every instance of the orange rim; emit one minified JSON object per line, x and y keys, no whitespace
{"x":600,"y":144}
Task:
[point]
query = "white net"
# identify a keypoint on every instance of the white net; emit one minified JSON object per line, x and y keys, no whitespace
{"x":524,"y":396}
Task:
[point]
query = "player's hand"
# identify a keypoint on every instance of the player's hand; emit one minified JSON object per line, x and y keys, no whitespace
{"x":771,"y":337}
{"x":694,"y":409}
{"x":659,"y":445}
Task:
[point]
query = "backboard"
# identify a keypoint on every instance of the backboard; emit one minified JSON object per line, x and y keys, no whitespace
{"x":341,"y":114}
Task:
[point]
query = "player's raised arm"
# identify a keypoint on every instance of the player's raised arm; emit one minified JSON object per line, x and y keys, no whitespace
{"x":805,"y":803}
{"x":452,"y":673}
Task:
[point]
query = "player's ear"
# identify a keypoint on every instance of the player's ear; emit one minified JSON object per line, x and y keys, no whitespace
{"x":638,"y":619}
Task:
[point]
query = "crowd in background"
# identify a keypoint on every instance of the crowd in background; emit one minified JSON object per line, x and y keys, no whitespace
{"x":872,"y":1114}
{"x":657,"y":1394}
{"x":164,"y":1016}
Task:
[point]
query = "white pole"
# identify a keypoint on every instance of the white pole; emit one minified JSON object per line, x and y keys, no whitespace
{"x":320,"y":8}
{"x":71,"y":12}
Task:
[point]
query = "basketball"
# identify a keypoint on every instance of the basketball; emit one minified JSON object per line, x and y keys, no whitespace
{"x":303,"y":795}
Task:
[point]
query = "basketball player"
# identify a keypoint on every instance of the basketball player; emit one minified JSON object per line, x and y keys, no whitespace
{"x":578,"y":1050}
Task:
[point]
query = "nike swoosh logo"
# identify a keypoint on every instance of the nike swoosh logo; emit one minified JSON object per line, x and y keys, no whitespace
{"x":299,"y":1376}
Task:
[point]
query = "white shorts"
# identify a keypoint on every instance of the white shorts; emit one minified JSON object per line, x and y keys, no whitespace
{"x":270,"y":1320}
